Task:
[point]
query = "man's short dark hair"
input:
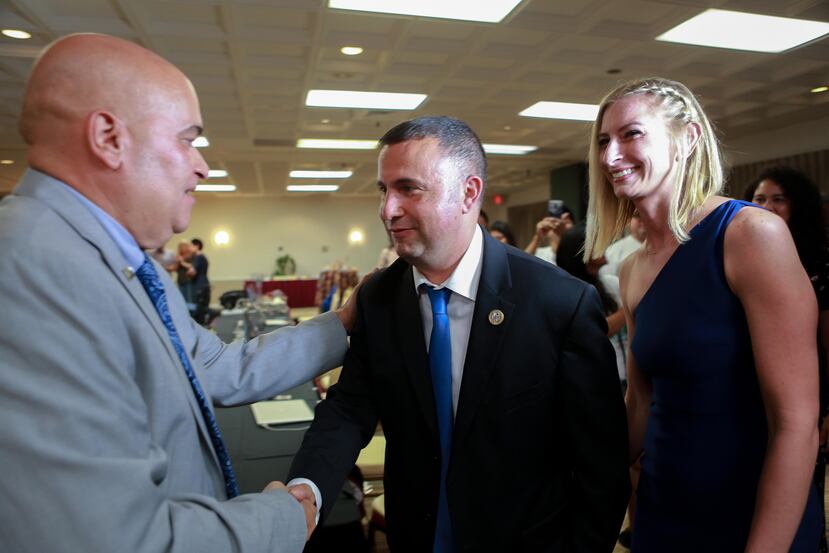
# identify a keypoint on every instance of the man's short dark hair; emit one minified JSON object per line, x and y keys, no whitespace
{"x":455,"y":137}
{"x":198,"y":243}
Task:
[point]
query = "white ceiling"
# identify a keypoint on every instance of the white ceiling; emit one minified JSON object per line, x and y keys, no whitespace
{"x":252,"y":62}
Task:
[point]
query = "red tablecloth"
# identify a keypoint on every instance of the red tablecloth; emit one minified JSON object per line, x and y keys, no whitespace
{"x":300,"y":292}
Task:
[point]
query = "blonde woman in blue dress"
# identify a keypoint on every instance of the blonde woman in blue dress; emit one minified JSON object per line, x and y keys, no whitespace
{"x":722,"y":395}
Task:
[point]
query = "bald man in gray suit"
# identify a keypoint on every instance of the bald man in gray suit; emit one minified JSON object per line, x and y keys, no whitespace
{"x":105,"y":445}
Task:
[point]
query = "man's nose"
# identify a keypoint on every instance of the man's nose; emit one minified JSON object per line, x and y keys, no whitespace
{"x":389,"y":207}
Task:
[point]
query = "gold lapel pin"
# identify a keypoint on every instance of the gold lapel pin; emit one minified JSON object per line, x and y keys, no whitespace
{"x":496,"y":317}
{"x":129,"y":273}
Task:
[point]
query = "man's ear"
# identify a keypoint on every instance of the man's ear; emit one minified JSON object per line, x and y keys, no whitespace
{"x":472,"y":190}
{"x":106,"y":138}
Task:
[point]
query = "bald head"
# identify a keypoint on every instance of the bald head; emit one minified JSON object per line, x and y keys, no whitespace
{"x":78,"y":74}
{"x":117,"y":123}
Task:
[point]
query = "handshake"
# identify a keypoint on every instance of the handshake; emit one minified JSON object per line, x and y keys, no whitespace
{"x":306,"y":498}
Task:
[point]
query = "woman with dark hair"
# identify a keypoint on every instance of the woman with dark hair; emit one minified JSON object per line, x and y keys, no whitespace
{"x":501,"y":232}
{"x":791,"y":195}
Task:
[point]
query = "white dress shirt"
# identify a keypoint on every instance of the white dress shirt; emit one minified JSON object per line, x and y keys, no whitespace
{"x":464,"y":285}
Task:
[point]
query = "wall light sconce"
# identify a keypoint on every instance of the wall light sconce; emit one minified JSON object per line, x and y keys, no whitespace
{"x":221,"y":238}
{"x":356,"y":236}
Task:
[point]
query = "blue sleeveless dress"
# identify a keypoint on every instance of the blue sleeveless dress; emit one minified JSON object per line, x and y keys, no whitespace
{"x":706,"y":436}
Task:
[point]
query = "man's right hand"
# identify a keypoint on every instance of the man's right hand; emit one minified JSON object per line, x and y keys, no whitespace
{"x":305,"y":496}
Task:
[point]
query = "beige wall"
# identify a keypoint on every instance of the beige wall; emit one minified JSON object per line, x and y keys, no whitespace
{"x":263,"y":229}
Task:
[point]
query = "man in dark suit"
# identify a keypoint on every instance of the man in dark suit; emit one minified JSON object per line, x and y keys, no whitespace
{"x":489,"y":369}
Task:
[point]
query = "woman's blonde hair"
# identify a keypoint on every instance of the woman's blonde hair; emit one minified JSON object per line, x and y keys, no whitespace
{"x":699,"y":178}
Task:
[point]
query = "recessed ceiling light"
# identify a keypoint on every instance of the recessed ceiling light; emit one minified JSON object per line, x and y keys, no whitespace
{"x":215,"y":188}
{"x":507,"y":128}
{"x":213,"y":173}
{"x":298,"y":174}
{"x":490,"y":11}
{"x":745,"y":31}
{"x":201,"y":142}
{"x":509,"y":149}
{"x":6,"y":162}
{"x":16,"y":33}
{"x":312,"y":187}
{"x":363,"y":100}
{"x":351,"y":50}
{"x":562,"y":110}
{"x":819,"y":89}
{"x":336,"y":144}
{"x":325,"y":121}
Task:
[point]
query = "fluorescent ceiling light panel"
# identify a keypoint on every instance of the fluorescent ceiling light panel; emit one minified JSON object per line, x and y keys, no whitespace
{"x":509,"y":149}
{"x":562,"y":110}
{"x":215,"y":188}
{"x":745,"y":31}
{"x":336,"y":144}
{"x":312,"y":187}
{"x":201,"y":142}
{"x":213,"y":173}
{"x":489,"y":11}
{"x":297,"y":174}
{"x":16,"y":33}
{"x":363,"y":100}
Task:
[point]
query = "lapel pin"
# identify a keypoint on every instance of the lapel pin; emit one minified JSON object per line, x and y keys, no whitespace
{"x":496,"y":317}
{"x":129,"y":273}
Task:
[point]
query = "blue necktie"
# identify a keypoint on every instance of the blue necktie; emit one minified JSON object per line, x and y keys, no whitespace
{"x":152,"y":284}
{"x":440,"y":363}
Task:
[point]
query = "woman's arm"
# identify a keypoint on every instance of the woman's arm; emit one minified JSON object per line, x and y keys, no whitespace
{"x":615,"y":322}
{"x":823,"y":335}
{"x":639,"y":390}
{"x":764,"y":271}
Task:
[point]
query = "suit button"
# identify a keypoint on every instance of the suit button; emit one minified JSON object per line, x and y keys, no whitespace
{"x":427,"y":517}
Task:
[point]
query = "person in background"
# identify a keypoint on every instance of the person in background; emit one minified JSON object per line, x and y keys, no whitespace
{"x":166,"y":258}
{"x":549,"y":231}
{"x":201,"y":283}
{"x":185,"y":273}
{"x":501,"y":232}
{"x":794,"y":198}
{"x":489,"y":370}
{"x":107,"y":386}
{"x":483,"y":219}
{"x":619,"y":250}
{"x":722,"y":374}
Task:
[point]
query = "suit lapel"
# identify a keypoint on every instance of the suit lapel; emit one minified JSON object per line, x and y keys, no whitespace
{"x":485,"y":338}
{"x":409,"y":325}
{"x":79,"y":218}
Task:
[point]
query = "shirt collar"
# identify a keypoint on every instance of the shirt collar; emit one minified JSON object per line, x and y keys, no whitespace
{"x":129,"y":248}
{"x":466,"y":276}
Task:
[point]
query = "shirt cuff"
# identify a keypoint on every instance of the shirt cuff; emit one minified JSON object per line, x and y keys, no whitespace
{"x":315,"y":489}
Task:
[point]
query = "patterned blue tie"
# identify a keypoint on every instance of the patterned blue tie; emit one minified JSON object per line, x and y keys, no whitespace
{"x":152,"y":284}
{"x":440,"y":363}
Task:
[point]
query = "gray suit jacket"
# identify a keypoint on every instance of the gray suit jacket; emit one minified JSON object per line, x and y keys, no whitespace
{"x":102,"y":445}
